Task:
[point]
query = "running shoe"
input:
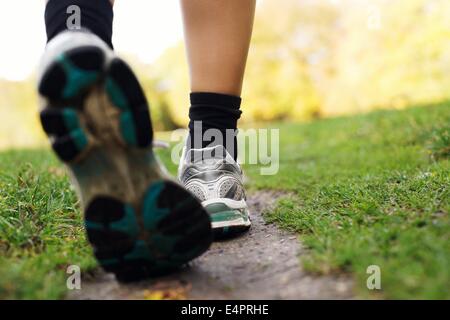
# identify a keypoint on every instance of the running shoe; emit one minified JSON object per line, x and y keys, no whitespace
{"x":139,"y":222}
{"x":215,"y":178}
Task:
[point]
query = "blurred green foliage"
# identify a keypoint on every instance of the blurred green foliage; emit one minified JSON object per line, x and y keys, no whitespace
{"x":19,"y":123}
{"x":308,"y":59}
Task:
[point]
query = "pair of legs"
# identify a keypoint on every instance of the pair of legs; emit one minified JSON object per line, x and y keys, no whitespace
{"x":95,"y":112}
{"x":217,"y":35}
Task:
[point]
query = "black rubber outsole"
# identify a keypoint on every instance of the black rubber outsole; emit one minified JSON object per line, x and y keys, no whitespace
{"x":170,"y":229}
{"x":230,"y":232}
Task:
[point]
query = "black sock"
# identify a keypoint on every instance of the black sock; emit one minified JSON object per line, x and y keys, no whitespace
{"x":214,"y":111}
{"x":95,"y":15}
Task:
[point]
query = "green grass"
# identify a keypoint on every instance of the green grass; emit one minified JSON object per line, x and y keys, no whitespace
{"x":364,"y":190}
{"x":370,"y":190}
{"x":40,"y":227}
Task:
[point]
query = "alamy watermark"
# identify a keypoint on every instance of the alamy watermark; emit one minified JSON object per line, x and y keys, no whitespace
{"x":73,"y":22}
{"x":256,"y":146}
{"x":74,"y":279}
{"x":374,"y":280}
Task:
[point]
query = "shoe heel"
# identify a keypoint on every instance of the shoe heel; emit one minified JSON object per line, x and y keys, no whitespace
{"x":72,"y":73}
{"x":170,"y":229}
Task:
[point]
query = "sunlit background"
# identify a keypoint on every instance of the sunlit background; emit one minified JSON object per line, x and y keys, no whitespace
{"x":308,"y":59}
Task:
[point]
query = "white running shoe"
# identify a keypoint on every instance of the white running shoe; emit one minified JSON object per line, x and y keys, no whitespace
{"x":215,"y":178}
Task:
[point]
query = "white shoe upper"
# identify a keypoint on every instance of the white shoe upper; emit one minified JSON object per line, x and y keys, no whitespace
{"x":213,"y":176}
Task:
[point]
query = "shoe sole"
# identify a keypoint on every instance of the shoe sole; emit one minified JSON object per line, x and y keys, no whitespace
{"x":139,"y":223}
{"x":229,"y":230}
{"x":227,"y":222}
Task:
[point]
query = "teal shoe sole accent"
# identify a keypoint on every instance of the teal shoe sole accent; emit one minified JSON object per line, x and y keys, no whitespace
{"x":77,"y":79}
{"x":228,"y":215}
{"x":116,"y":95}
{"x":72,"y":73}
{"x":171,"y":235}
{"x":126,"y":94}
{"x":222,"y":214}
{"x":69,"y":78}
{"x":153,"y":214}
{"x":71,"y":120}
{"x":70,"y":139}
{"x":127,"y":128}
{"x":80,"y":139}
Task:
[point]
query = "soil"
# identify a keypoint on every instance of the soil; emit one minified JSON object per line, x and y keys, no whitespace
{"x":264,"y":263}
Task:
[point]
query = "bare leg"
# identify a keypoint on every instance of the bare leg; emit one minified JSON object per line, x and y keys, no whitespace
{"x":217,"y":36}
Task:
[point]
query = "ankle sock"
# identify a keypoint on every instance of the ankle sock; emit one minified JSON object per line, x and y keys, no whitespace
{"x":219,"y":112}
{"x":95,"y":15}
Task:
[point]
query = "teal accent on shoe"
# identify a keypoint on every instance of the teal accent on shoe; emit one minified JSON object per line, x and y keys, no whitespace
{"x":116,"y":95}
{"x":128,"y":224}
{"x":128,"y":129}
{"x":79,"y":138}
{"x":225,"y":229}
{"x":77,"y":79}
{"x":71,"y":120}
{"x":217,"y":207}
{"x":151,"y":213}
{"x":140,"y":251}
{"x":227,"y":216}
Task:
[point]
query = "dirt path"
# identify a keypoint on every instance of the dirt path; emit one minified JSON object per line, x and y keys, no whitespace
{"x":263,"y":264}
